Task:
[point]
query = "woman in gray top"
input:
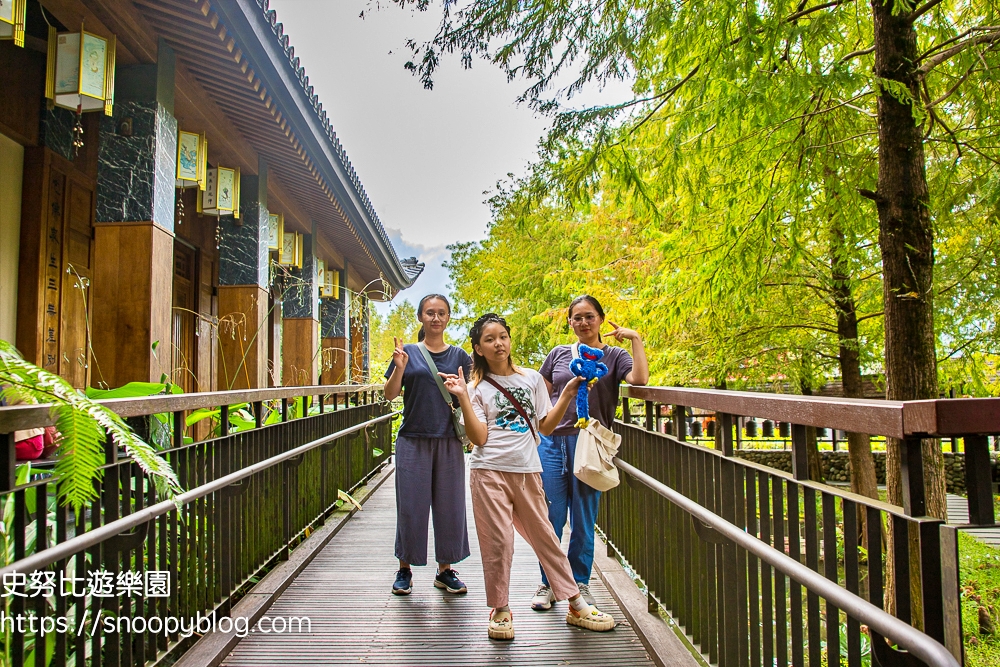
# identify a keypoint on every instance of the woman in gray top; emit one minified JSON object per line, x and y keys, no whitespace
{"x":566,"y":494}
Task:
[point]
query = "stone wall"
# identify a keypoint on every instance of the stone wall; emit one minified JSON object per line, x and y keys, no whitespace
{"x":835,"y":465}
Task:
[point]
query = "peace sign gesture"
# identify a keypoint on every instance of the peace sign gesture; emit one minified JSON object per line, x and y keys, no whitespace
{"x":399,"y":356}
{"x":621,"y":333}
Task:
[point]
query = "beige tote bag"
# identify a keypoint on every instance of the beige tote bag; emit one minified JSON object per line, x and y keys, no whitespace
{"x":596,"y":447}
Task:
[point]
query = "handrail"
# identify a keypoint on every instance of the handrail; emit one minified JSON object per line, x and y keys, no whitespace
{"x":916,"y":642}
{"x":20,"y":417}
{"x":894,"y":419}
{"x":97,"y":535}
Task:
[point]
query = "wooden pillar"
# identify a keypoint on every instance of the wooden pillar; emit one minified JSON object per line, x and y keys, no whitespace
{"x":133,"y":239}
{"x":333,"y":329}
{"x":300,"y":350}
{"x":244,"y":301}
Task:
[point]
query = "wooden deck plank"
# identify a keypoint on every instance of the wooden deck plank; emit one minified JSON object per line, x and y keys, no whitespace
{"x":357,"y":621}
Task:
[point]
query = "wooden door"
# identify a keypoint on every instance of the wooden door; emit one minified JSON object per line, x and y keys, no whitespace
{"x":184,"y":315}
{"x":56,"y":267}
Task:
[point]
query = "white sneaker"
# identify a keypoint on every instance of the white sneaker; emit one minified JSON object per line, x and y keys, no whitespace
{"x":543,"y":598}
{"x":585,"y":592}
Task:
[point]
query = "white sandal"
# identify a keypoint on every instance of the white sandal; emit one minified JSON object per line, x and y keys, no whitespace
{"x":501,"y":625}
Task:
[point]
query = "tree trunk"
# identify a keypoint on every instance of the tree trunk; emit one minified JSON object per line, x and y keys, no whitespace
{"x":906,"y":239}
{"x":864,"y":481}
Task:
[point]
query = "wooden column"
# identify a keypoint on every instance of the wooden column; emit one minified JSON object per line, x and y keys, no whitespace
{"x":243,"y":334}
{"x":244,"y":319}
{"x":333,"y":329}
{"x":300,"y":349}
{"x":133,"y":239}
{"x":133,"y":276}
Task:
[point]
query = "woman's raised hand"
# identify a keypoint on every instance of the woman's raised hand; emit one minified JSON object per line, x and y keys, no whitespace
{"x":399,"y":356}
{"x":455,"y":384}
{"x":621,"y":333}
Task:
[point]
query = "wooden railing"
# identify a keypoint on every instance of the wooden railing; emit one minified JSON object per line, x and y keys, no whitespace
{"x":739,"y":608}
{"x":248,"y":501}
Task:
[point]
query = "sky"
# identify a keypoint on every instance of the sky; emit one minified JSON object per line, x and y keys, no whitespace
{"x":425,"y":158}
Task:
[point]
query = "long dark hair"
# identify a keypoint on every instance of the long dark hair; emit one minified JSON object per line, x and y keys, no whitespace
{"x":420,"y":311}
{"x":480,"y":367}
{"x":588,"y":299}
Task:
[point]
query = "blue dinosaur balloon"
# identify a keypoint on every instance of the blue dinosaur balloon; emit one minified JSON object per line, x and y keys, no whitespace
{"x":588,"y":366}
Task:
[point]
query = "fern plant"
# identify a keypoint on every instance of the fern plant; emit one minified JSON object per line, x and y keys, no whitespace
{"x":84,"y":425}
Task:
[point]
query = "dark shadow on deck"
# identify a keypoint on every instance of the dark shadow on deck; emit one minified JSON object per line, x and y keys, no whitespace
{"x":357,"y":621}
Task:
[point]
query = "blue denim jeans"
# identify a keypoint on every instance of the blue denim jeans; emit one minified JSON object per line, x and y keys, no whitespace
{"x":568,"y":495}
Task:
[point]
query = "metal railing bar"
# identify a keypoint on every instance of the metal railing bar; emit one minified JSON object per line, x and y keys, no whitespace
{"x":96,"y":536}
{"x":20,"y":417}
{"x":916,"y":642}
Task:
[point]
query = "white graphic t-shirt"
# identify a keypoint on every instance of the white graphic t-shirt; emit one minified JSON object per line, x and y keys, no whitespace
{"x":510,"y":446}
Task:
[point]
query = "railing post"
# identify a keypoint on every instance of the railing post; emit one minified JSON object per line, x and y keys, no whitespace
{"x":258,"y":414}
{"x":979,"y":480}
{"x":800,"y":452}
{"x":284,"y":409}
{"x":724,"y":422}
{"x":911,"y":468}
{"x":223,"y":420}
{"x":626,"y":417}
{"x":649,"y":415}
{"x":680,"y":422}
{"x":8,"y":462}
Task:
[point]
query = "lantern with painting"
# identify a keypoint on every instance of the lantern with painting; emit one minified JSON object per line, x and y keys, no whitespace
{"x":81,"y":71}
{"x":192,"y":160}
{"x":12,"y":13}
{"x":221,"y":195}
{"x":275,"y":230}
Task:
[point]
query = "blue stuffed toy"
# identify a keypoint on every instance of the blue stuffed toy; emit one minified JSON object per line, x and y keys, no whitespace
{"x":588,"y":366}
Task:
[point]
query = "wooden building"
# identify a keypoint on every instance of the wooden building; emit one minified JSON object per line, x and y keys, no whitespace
{"x":197,"y":219}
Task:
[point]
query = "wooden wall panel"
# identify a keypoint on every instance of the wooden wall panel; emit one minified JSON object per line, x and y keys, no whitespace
{"x":242,"y":337}
{"x":300,"y":351}
{"x":132,"y":286}
{"x":334,"y":361}
{"x":22,"y":78}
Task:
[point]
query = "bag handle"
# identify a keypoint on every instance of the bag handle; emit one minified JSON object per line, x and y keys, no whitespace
{"x":434,"y":371}
{"x":514,"y":402}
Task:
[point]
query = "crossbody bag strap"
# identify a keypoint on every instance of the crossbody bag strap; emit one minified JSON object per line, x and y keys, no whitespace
{"x":514,"y":402}
{"x":434,"y":371}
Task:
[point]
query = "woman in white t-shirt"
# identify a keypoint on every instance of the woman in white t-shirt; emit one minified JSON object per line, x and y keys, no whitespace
{"x":504,"y":411}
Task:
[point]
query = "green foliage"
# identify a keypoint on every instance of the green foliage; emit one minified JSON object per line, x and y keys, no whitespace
{"x":713,"y":208}
{"x":979,"y":567}
{"x":82,"y":424}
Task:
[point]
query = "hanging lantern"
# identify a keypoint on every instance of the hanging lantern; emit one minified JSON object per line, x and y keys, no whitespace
{"x":291,"y":250}
{"x":221,"y":195}
{"x":330,"y":285}
{"x":710,"y":428}
{"x":192,"y":160}
{"x":275,"y":230}
{"x":696,"y":429}
{"x":767,"y":428}
{"x":784,"y":430}
{"x":12,"y":13}
{"x":751,"y":428}
{"x":81,"y":71}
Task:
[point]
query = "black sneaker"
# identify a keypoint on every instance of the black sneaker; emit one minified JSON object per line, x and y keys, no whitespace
{"x":402,"y":584}
{"x":449,"y":581}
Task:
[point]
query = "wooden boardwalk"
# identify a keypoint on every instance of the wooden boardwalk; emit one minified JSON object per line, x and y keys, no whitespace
{"x":958,"y":513}
{"x":345,"y":591}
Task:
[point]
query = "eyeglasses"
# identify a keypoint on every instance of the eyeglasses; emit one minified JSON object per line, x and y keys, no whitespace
{"x":579,"y":319}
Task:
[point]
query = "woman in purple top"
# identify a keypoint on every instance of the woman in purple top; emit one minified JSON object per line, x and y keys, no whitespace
{"x":565,"y":493}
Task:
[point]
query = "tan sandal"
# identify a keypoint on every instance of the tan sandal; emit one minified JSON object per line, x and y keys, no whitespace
{"x":591,"y":618}
{"x":501,"y":625}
